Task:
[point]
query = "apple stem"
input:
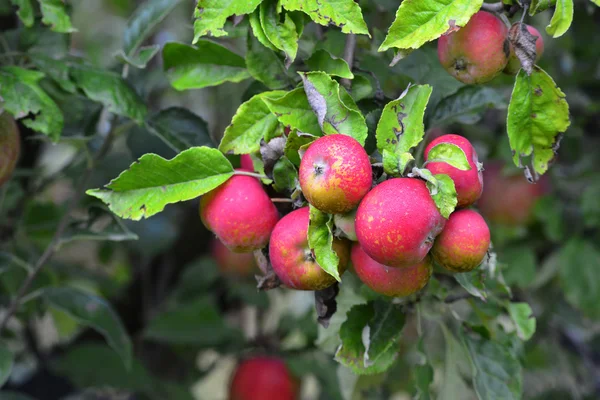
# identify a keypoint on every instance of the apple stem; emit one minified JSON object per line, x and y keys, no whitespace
{"x":259,"y":176}
{"x":281,"y":200}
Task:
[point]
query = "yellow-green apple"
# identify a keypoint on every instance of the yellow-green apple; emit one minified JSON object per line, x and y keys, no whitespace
{"x":346,"y":224}
{"x":478,"y":51}
{"x":397,"y":222}
{"x":239,"y":213}
{"x":230,"y":263}
{"x":469,"y":184}
{"x":10,"y":146}
{"x":292,"y":259}
{"x":261,"y":378}
{"x":463,"y":243}
{"x":390,"y":281}
{"x":335,"y":173}
{"x":514,"y":65}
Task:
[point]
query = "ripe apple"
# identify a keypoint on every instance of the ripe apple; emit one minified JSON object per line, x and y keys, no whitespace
{"x":389,"y":281}
{"x":240,"y":213}
{"x":261,"y":378}
{"x":292,"y":258}
{"x":509,"y":199}
{"x":469,"y":184}
{"x":10,"y":146}
{"x":514,"y":65}
{"x":478,"y":51}
{"x":246,"y":162}
{"x":397,"y":222}
{"x":230,"y":263}
{"x":346,"y":224}
{"x":463,"y":243}
{"x":335,"y":173}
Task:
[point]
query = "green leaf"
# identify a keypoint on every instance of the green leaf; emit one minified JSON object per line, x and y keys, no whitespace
{"x":99,"y":225}
{"x":142,"y":23}
{"x":179,"y":128}
{"x":252,"y":121}
{"x":207,"y":64}
{"x":345,"y":14}
{"x":111,"y":90}
{"x":58,"y":70}
{"x":141,"y":59}
{"x":22,"y":96}
{"x":450,"y":154}
{"x":522,"y":316}
{"x":400,"y":127}
{"x":466,"y":106}
{"x":590,"y":206}
{"x":472,"y":282}
{"x":562,"y":18}
{"x":497,"y":373}
{"x":423,"y":374}
{"x":420,"y":21}
{"x":153,"y":182}
{"x":443,"y":194}
{"x":258,"y":30}
{"x":384,"y":331}
{"x":294,"y":111}
{"x":266,"y":66}
{"x":579,"y":268}
{"x":285,"y":175}
{"x":320,"y":241}
{"x":596,"y":2}
{"x":355,"y":334}
{"x":294,"y":143}
{"x":537,"y":116}
{"x":282,"y":35}
{"x":321,"y":60}
{"x":6,"y":364}
{"x":195,"y":323}
{"x":453,"y":385}
{"x":335,"y":110}
{"x":537,"y":6}
{"x":520,"y":263}
{"x":94,"y":312}
{"x":55,"y":15}
{"x":25,"y":11}
{"x":210,"y":15}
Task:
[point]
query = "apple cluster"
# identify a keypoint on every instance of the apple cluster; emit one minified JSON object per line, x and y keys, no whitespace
{"x":479,"y":51}
{"x":391,"y":232}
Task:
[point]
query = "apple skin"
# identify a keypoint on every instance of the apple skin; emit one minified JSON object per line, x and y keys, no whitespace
{"x":10,"y":146}
{"x":292,"y":259}
{"x":230,"y":263}
{"x":397,"y":222}
{"x":346,"y":223}
{"x":240,"y":214}
{"x":463,"y":243}
{"x":477,"y":52}
{"x":335,"y":173}
{"x":469,"y":184}
{"x":509,"y":200}
{"x":389,"y":281}
{"x":261,"y":378}
{"x":514,"y":65}
{"x":246,"y":162}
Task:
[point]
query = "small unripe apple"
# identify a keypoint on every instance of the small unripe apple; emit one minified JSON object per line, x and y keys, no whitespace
{"x":397,"y":222}
{"x":10,"y":146}
{"x":261,"y":378}
{"x":463,"y":243}
{"x":469,"y":184}
{"x":230,"y":263}
{"x":389,"y":281}
{"x":509,"y":199}
{"x":239,"y":213}
{"x":246,"y":162}
{"x":292,"y":259}
{"x":346,"y":224}
{"x":514,"y":65}
{"x":478,"y":51}
{"x":335,"y":173}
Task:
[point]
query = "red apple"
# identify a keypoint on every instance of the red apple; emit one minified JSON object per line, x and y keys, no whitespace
{"x":230,"y":263}
{"x":397,"y":222}
{"x":292,"y":259}
{"x":246,"y":162}
{"x":389,"y":281}
{"x":469,"y":184}
{"x":10,"y":146}
{"x":478,"y":51}
{"x":335,"y":173}
{"x":514,"y":65}
{"x":239,"y":213}
{"x":262,"y":378}
{"x":463,"y":243}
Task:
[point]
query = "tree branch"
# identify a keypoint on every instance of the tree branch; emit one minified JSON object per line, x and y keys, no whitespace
{"x":493,"y":7}
{"x":349,"y":56}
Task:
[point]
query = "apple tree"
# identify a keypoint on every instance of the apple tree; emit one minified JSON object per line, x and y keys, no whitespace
{"x":298,"y":199}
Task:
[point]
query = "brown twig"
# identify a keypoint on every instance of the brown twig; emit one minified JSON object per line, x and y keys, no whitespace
{"x":349,"y":56}
{"x":493,"y":7}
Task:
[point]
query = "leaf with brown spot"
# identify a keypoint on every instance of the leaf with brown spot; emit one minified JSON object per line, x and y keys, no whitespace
{"x":523,"y":44}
